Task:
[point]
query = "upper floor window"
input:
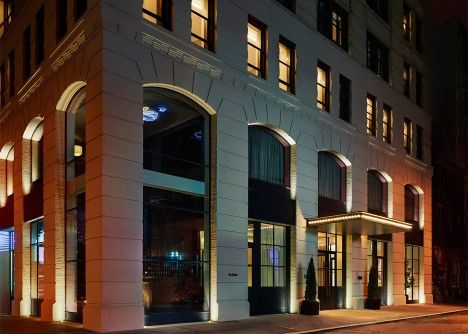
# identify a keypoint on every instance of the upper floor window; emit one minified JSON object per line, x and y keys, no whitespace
{"x":10,"y":157}
{"x":406,"y":79}
{"x":371,"y":114}
{"x":380,"y":7}
{"x":418,"y":33}
{"x":268,"y":156}
{"x":377,"y":56}
{"x":387,"y":124}
{"x":419,"y":88}
{"x":377,"y":193}
{"x":203,"y":23}
{"x":11,"y":72}
{"x":3,"y":82}
{"x":27,"y":53}
{"x":411,"y":204}
{"x":61,"y":19}
{"x":407,"y":22}
{"x":407,"y":135}
{"x":79,"y":8}
{"x":256,"y":48}
{"x":419,"y":142}
{"x":6,"y":14}
{"x":345,"y":98}
{"x":289,"y":4}
{"x":332,"y":22}
{"x":331,"y":184}
{"x":323,"y":86}
{"x":40,"y":37}
{"x":158,"y":12}
{"x":287,"y":65}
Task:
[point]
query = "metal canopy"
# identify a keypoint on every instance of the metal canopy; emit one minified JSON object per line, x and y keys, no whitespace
{"x":362,"y":223}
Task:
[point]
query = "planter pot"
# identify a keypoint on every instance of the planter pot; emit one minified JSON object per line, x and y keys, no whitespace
{"x":372,"y":304}
{"x":309,"y":308}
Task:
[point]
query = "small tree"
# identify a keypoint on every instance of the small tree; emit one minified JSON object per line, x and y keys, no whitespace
{"x":311,"y":283}
{"x":372,"y":287}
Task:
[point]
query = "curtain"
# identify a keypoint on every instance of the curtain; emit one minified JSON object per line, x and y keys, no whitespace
{"x":266,"y":156}
{"x":329,"y":176}
{"x":375,"y":193}
{"x":411,"y":205}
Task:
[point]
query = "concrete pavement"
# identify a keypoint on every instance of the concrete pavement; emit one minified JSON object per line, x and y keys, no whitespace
{"x":336,"y":320}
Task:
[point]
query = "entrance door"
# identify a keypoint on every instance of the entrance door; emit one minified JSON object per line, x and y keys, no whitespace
{"x":412,"y":255}
{"x":378,"y":250}
{"x":268,"y":268}
{"x":37,"y":266}
{"x":330,"y":271}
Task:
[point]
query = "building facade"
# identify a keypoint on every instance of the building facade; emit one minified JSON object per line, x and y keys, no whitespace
{"x":168,"y":161}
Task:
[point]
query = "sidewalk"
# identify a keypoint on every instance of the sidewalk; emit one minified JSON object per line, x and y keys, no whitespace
{"x":268,"y":324}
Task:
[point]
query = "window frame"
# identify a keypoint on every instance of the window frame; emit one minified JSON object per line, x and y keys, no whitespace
{"x":2,"y":85}
{"x":325,"y":22}
{"x":40,"y":36}
{"x":291,"y":86}
{"x":372,"y":115}
{"x":79,"y":8}
{"x":209,"y":41}
{"x":377,"y":57}
{"x":27,"y":53}
{"x":345,"y":99}
{"x":380,"y":7}
{"x":407,"y":135}
{"x":165,"y":19}
{"x":263,"y":47}
{"x":407,"y":22}
{"x":407,"y":79}
{"x":61,"y":15}
{"x":324,"y":105}
{"x":387,"y":125}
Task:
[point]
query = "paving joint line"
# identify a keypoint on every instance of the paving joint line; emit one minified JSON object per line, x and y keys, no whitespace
{"x":319,"y":330}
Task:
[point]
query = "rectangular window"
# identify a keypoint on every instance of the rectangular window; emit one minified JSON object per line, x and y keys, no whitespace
{"x":345,"y":99}
{"x":407,"y":135}
{"x":158,"y":12}
{"x":2,"y":85}
{"x":256,"y":48}
{"x":332,"y":22}
{"x":377,"y":56}
{"x":27,"y":53}
{"x":380,"y":7}
{"x":419,"y":142}
{"x":61,"y":19}
{"x":203,"y":23}
{"x":79,"y":8}
{"x":40,"y":36}
{"x":407,"y":22}
{"x":11,"y":73}
{"x":6,"y":14}
{"x":387,"y":126}
{"x":323,"y":86}
{"x":406,"y":79}
{"x":419,"y":88}
{"x":287,"y":65}
{"x":417,"y":33}
{"x":272,"y":255}
{"x":371,"y":114}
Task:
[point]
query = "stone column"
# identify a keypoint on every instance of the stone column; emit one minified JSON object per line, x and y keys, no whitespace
{"x":398,"y":241}
{"x":359,"y":270}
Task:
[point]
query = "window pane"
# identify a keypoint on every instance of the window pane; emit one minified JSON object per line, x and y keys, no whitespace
{"x":266,"y":234}
{"x":321,"y":76}
{"x":201,"y":7}
{"x":322,"y":241}
{"x":266,"y":274}
{"x":254,"y":56}
{"x":280,"y":276}
{"x":284,"y":54}
{"x":254,"y":35}
{"x":199,"y":26}
{"x":284,"y":73}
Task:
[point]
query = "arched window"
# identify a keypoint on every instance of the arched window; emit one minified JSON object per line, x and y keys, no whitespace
{"x":331,"y":184}
{"x":10,"y":157}
{"x":75,"y":132}
{"x":411,"y":204}
{"x":377,"y":193}
{"x":268,"y":156}
{"x":36,"y":153}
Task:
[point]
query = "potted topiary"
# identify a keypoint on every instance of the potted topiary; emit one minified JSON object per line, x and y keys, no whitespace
{"x":373,"y":298}
{"x":310,"y":305}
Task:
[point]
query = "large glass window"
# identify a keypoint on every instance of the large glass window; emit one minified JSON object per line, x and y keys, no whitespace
{"x":158,"y":12}
{"x":371,"y":114}
{"x":287,"y":65}
{"x":268,"y":157}
{"x":75,"y":291}
{"x":256,"y":48}
{"x":323,"y":86}
{"x":37,"y":266}
{"x":330,"y":260}
{"x":330,"y":176}
{"x":203,"y":23}
{"x":376,"y":255}
{"x":376,"y":193}
{"x":412,"y":256}
{"x":273,"y":255}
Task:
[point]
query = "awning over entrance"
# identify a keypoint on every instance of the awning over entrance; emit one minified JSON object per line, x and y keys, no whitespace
{"x":362,"y":223}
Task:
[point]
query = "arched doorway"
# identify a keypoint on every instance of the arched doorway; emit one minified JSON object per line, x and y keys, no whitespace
{"x":176,"y":208}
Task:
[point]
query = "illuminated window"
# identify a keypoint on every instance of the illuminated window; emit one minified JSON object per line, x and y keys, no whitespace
{"x":419,"y":88}
{"x":387,"y":124}
{"x":323,"y":86}
{"x":407,"y":136}
{"x":407,"y":23}
{"x":371,"y":114}
{"x":256,"y":50}
{"x":6,"y":14}
{"x":202,"y":23}
{"x":332,"y":22}
{"x":60,"y":19}
{"x":36,"y":153}
{"x":406,"y":79}
{"x":377,"y":56}
{"x":10,"y":157}
{"x":287,"y":63}
{"x":158,"y":12}
{"x":27,"y":53}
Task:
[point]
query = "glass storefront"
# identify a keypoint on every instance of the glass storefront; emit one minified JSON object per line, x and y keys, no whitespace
{"x":377,"y":253}
{"x":412,"y":257}
{"x":37,"y":266}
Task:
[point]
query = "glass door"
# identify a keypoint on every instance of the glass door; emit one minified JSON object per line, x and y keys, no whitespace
{"x":412,"y":254}
{"x":378,"y":249}
{"x":37,"y":266}
{"x":330,"y":271}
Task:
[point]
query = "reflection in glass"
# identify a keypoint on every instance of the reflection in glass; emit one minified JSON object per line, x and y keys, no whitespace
{"x":37,"y":266}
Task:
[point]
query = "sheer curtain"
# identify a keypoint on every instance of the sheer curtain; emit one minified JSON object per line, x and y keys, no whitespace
{"x":329,"y":176}
{"x":266,"y":156}
{"x":375,"y":194}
